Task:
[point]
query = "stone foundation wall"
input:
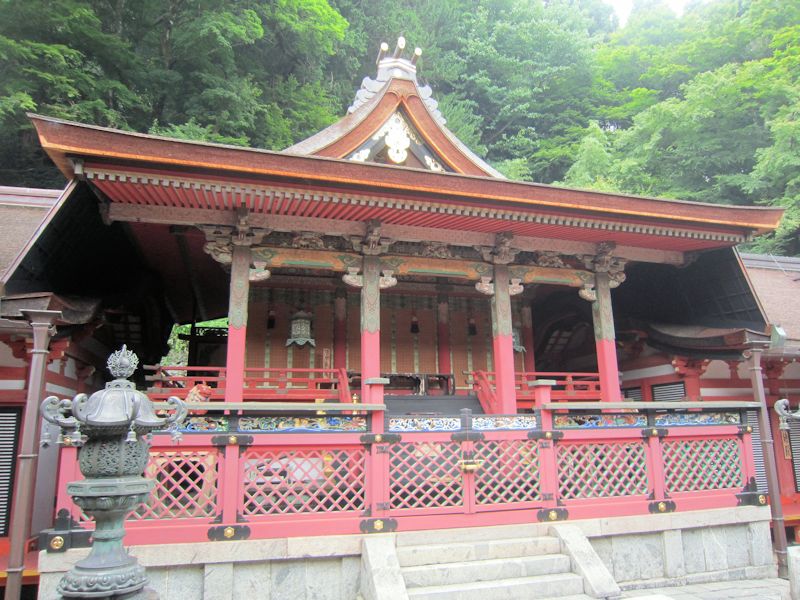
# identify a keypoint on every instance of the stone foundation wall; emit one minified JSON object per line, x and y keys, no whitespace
{"x":682,"y":548}
{"x":639,"y":552}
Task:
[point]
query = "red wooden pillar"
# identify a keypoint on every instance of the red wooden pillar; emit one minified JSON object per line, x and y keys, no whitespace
{"x":371,"y":393}
{"x":443,"y":335}
{"x":503,"y":343}
{"x":340,"y":330}
{"x":234,"y":371}
{"x":605,"y":339}
{"x":237,"y":323}
{"x":527,"y":338}
{"x":372,"y":384}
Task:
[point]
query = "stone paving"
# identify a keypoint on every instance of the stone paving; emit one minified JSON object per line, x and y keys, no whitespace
{"x":755,"y":589}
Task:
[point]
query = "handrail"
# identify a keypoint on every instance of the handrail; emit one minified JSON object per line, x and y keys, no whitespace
{"x":647,"y":405}
{"x":485,"y":391}
{"x":279,"y":406}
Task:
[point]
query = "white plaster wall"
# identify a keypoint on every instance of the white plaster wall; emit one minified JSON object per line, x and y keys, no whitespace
{"x":7,"y":358}
{"x":717,"y":369}
{"x":792,"y":371}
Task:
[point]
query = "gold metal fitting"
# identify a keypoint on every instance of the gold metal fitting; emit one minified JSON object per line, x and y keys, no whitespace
{"x":378,"y":525}
{"x":228,"y":532}
{"x":548,"y":435}
{"x":552,"y":515}
{"x":662,"y":506}
{"x":57,"y":542}
{"x":654,"y":432}
{"x":378,"y":438}
{"x":762,"y":499}
{"x":749,"y":429}
{"x":232,"y":439}
{"x":328,"y":458}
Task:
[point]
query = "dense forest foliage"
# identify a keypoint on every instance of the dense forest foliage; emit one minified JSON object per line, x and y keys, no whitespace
{"x":703,"y":106}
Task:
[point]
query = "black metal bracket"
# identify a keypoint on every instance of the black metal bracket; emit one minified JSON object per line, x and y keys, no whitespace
{"x":552,"y":514}
{"x":750,"y":496}
{"x":662,"y":506}
{"x":744,"y":429}
{"x":228,"y":533}
{"x":545,"y":435}
{"x":66,"y":533}
{"x":379,"y":438}
{"x":658,"y":432}
{"x":752,"y":499}
{"x":468,"y":436}
{"x":377,"y":525}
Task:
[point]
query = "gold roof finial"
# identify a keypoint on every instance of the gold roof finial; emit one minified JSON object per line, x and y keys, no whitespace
{"x":401,"y":45}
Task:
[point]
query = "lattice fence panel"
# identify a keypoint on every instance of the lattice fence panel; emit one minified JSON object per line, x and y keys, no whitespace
{"x":695,"y":465}
{"x":425,"y":475}
{"x":186,"y":485}
{"x":601,"y":470}
{"x":509,"y":473}
{"x":303,"y":480}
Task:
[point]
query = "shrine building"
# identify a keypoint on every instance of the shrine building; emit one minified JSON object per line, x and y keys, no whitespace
{"x":414,"y":346}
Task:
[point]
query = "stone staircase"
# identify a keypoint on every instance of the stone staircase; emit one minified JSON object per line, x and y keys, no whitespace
{"x":506,"y":567}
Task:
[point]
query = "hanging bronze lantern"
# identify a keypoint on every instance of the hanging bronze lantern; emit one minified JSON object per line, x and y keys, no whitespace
{"x":300,"y":330}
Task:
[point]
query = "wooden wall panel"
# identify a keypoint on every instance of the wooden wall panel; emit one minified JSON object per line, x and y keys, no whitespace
{"x":256,"y":330}
{"x":459,"y":344}
{"x":427,"y":340}
{"x":353,"y":333}
{"x":404,"y":340}
{"x":386,"y":340}
{"x":323,"y":333}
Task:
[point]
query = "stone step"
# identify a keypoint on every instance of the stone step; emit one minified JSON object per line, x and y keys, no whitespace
{"x":521,"y":588}
{"x":431,"y":554}
{"x":484,"y":570}
{"x":471,"y":534}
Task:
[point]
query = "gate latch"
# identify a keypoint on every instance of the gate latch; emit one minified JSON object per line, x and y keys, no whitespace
{"x":470,"y":465}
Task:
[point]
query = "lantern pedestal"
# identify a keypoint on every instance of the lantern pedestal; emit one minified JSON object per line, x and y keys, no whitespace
{"x":111,"y":427}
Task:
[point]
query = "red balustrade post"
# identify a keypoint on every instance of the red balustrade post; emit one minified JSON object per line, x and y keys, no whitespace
{"x":548,"y":470}
{"x":443,"y":335}
{"x":748,"y":462}
{"x":605,"y":341}
{"x":656,"y":452}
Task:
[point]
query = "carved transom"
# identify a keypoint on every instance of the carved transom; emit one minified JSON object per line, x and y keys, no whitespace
{"x":372,"y":244}
{"x":605,"y":262}
{"x":501,"y":253}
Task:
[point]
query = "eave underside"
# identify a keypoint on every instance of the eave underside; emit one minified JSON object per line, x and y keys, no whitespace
{"x":169,"y":191}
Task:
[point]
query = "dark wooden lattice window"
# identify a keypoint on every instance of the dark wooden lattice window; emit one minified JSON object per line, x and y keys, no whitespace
{"x":633,"y":393}
{"x":669,"y":392}
{"x":9,"y":431}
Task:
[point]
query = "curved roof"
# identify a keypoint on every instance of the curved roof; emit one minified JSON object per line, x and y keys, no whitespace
{"x":395,"y":94}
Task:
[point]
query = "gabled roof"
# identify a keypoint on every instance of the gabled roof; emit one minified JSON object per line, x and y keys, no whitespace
{"x":394,"y":112}
{"x":22,"y":210}
{"x":776,"y":281}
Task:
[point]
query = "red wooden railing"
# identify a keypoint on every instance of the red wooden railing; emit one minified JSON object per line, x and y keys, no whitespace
{"x":483,"y":385}
{"x":560,"y":464}
{"x":259,"y":384}
{"x":579,"y":387}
